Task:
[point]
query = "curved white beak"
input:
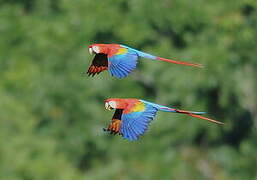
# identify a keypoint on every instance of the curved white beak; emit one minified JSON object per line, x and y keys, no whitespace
{"x":91,"y":51}
{"x":107,"y":106}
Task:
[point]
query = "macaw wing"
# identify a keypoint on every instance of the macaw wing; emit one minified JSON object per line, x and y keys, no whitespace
{"x":114,"y":126}
{"x":135,"y":123}
{"x":99,"y":64}
{"x":122,"y":64}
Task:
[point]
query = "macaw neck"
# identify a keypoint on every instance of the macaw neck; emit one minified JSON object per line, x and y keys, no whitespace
{"x":112,"y":49}
{"x":104,"y":50}
{"x":121,"y":105}
{"x":130,"y":102}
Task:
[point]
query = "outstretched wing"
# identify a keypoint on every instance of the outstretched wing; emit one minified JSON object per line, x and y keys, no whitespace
{"x":136,"y":120}
{"x":114,"y":126}
{"x":122,"y":62}
{"x":99,"y":64}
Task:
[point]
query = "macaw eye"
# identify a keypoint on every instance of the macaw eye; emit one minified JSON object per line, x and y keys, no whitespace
{"x":96,"y":49}
{"x":112,"y":104}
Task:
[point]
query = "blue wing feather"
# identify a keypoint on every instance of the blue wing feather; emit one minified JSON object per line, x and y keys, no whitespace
{"x":113,"y":71}
{"x":124,"y":69}
{"x":124,"y":132}
{"x":136,"y":123}
{"x":130,"y":133}
{"x":121,"y":65}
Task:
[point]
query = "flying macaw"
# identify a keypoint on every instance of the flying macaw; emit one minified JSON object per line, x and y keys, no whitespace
{"x":133,"y":116}
{"x":120,"y":60}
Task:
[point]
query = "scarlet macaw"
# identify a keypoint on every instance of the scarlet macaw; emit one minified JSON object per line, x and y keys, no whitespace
{"x":132,"y":116}
{"x":120,"y":60}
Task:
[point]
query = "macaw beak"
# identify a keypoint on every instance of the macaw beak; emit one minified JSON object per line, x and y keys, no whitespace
{"x":108,"y":107}
{"x":91,"y":52}
{"x":94,"y":50}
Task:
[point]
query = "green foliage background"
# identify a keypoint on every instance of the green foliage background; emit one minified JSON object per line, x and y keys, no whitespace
{"x":51,"y":117}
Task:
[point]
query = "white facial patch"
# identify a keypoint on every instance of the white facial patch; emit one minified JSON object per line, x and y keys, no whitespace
{"x":96,"y":49}
{"x":112,"y":104}
{"x":90,"y":51}
{"x":106,"y":105}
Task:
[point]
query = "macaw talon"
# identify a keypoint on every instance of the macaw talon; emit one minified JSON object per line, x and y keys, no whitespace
{"x":106,"y":129}
{"x":91,"y":74}
{"x":112,"y":130}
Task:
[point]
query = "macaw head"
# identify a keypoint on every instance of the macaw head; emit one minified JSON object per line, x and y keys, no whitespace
{"x":98,"y":49}
{"x":115,"y":103}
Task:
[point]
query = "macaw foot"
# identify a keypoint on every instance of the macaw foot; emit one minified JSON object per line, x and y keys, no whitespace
{"x":114,"y":127}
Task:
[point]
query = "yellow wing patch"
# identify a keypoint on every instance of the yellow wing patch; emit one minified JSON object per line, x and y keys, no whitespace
{"x":139,"y":106}
{"x":122,"y":51}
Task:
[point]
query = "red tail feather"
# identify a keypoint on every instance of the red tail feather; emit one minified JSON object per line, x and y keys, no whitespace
{"x":198,"y":116}
{"x":180,"y":62}
{"x":205,"y":118}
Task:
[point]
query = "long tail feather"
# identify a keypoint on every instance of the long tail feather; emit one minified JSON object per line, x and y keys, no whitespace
{"x":146,"y":55}
{"x":196,"y":115}
{"x":189,"y":113}
{"x":205,"y":118}
{"x":180,"y":62}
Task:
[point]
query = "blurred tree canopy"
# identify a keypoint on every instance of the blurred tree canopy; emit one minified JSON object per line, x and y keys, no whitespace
{"x":51,"y":117}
